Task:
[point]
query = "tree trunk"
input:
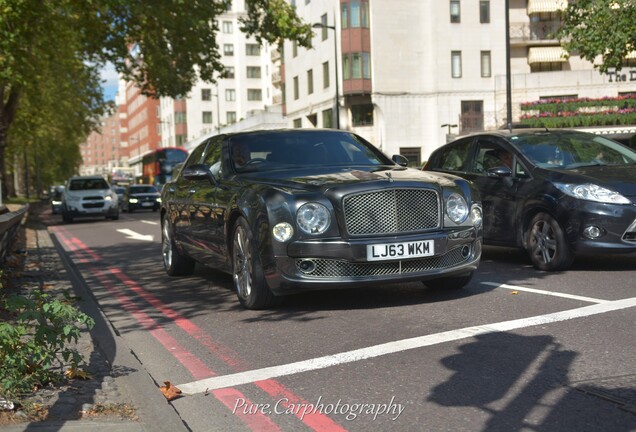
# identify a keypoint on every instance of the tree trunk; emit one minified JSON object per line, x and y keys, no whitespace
{"x":8,"y":110}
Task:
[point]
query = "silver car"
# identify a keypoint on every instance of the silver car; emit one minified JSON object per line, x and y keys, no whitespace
{"x":89,"y":196}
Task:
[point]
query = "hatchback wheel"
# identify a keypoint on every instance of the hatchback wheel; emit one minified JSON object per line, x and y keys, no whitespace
{"x":247,"y":272}
{"x":175,"y":263}
{"x":547,"y":245}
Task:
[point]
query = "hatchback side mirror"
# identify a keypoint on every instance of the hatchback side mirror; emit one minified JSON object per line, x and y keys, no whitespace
{"x":400,"y":160}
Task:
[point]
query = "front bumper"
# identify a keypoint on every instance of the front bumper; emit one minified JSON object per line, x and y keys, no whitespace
{"x":617,"y":224}
{"x":344,"y":264}
{"x":80,"y":211}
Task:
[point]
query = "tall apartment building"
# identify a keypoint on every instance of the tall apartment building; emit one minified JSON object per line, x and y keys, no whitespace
{"x":413,"y":72}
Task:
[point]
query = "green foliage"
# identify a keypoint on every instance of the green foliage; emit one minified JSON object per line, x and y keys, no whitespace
{"x":575,"y":104}
{"x":600,"y":28}
{"x":36,"y":340}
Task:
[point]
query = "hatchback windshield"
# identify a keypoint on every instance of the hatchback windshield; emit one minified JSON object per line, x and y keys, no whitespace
{"x":143,"y":189}
{"x":87,"y":184}
{"x":572,"y":150}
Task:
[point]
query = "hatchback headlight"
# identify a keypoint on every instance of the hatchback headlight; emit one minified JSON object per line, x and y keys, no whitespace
{"x":313,"y":218}
{"x":592,"y":192}
{"x":456,"y":208}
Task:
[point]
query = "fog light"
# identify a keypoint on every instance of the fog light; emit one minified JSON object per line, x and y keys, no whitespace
{"x":282,"y":231}
{"x":307,"y":266}
{"x":592,"y":232}
{"x":465,"y":251}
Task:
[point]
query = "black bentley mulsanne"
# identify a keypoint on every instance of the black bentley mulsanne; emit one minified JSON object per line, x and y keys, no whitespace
{"x":291,"y":210}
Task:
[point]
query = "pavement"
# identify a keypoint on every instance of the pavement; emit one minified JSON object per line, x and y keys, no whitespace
{"x":120,"y":395}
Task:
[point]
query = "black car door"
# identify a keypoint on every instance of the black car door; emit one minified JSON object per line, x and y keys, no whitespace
{"x":205,"y":221}
{"x":498,"y":175}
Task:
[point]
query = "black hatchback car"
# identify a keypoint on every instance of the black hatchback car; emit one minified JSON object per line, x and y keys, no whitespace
{"x":553,"y":192}
{"x":292,"y":210}
{"x":141,"y":197}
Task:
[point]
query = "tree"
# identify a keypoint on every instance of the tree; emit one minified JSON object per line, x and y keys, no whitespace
{"x":602,"y":30}
{"x":163,"y":47}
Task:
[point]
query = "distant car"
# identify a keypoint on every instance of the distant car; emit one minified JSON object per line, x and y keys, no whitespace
{"x":141,"y":197}
{"x":119,"y":190}
{"x":295,"y":210}
{"x":89,"y":196}
{"x":56,"y":199}
{"x":555,"y":193}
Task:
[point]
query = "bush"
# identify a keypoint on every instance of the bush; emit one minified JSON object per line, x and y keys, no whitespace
{"x":34,"y":345}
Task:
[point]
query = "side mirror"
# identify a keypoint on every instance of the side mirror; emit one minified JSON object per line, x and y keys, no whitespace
{"x":499,"y":172}
{"x":400,"y":160}
{"x":198,"y":172}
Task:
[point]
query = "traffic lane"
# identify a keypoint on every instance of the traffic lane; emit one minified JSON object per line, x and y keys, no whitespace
{"x":609,"y":276}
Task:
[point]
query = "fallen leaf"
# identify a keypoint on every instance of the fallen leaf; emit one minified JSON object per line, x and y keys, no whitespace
{"x":77,"y":373}
{"x":169,"y":391}
{"x":514,"y":292}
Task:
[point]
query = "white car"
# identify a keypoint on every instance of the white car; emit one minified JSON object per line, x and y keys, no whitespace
{"x":89,"y":196}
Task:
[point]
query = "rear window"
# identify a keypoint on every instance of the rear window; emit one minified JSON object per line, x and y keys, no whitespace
{"x":88,"y":184}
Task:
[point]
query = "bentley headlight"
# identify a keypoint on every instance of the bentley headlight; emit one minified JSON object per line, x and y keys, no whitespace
{"x":456,"y":208}
{"x":592,"y":192}
{"x":476,"y":215}
{"x":313,"y":218}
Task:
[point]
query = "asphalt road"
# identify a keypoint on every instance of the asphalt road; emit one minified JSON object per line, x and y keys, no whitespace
{"x":515,"y":350}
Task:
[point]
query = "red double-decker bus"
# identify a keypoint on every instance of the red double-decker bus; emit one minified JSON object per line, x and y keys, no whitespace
{"x":157,"y":166}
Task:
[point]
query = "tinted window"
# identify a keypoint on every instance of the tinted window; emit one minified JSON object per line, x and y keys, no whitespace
{"x":454,"y":157}
{"x":195,"y":157}
{"x":84,"y":184}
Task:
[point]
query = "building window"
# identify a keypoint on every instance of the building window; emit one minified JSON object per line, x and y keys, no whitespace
{"x":229,"y":72}
{"x":323,"y":21}
{"x":298,"y":123}
{"x":228,"y":49}
{"x":344,"y":15}
{"x":313,"y":119}
{"x":253,"y":71}
{"x":484,"y":11}
{"x":296,"y":89}
{"x":485,"y":64}
{"x":358,"y":14}
{"x":252,"y":50}
{"x":294,"y":49}
{"x":180,"y":140}
{"x":356,"y":66}
{"x":230,"y":117}
{"x":310,"y":81}
{"x":546,"y":67}
{"x":254,"y":94}
{"x":230,"y":95}
{"x":180,"y":117}
{"x":456,"y":64}
{"x":206,"y":117}
{"x":206,"y":94}
{"x":362,"y":115}
{"x":327,"y":118}
{"x":455,"y":11}
{"x":227,"y":27}
{"x":325,"y":75}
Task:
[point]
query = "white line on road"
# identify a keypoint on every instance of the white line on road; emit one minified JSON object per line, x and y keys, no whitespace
{"x":149,"y":222}
{"x":397,"y":346}
{"x":135,"y":235}
{"x":551,"y":293}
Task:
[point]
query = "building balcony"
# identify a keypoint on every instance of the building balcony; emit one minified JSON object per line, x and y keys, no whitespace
{"x":277,"y":79}
{"x":533,"y":33}
{"x":275,"y":55}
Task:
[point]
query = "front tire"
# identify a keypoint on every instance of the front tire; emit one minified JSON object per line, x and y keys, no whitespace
{"x":547,"y":245}
{"x":175,"y":263}
{"x":247,"y":273}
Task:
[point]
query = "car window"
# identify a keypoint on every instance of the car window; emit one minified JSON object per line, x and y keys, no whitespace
{"x":143,"y":189}
{"x":88,"y":184}
{"x":455,"y":157}
{"x":212,"y":158}
{"x":195,"y":156}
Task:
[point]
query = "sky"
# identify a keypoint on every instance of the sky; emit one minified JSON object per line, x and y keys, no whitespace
{"x":109,"y":86}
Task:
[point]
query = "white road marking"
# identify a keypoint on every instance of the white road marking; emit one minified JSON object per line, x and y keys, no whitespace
{"x":149,"y":222}
{"x":135,"y":235}
{"x":397,"y":346}
{"x":551,"y":293}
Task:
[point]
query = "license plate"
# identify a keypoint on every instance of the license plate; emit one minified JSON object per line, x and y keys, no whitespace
{"x":393,"y":251}
{"x":146,"y":204}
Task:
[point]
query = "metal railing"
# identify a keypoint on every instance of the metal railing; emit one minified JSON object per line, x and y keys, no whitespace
{"x":9,"y":224}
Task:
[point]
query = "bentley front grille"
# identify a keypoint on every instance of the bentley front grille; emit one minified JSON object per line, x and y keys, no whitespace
{"x":391,"y":211}
{"x":331,"y":268}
